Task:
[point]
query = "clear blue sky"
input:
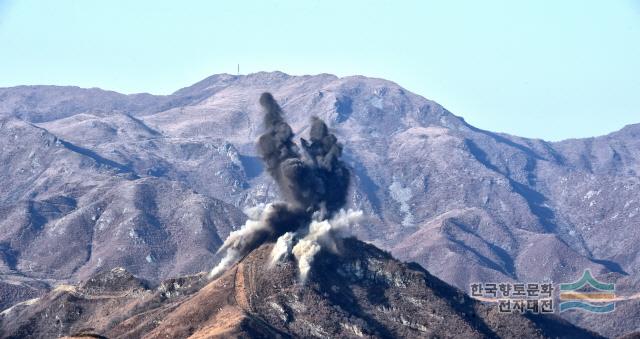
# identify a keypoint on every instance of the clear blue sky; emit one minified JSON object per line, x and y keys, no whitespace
{"x":546,"y":69}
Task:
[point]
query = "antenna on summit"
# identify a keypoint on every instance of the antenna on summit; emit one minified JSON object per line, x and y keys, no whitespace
{"x":238,"y":69}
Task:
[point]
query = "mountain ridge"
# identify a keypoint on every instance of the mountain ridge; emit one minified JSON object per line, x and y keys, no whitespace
{"x":361,"y":292}
{"x":214,"y":80}
{"x":437,"y":190}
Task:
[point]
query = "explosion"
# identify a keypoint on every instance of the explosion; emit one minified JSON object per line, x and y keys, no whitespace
{"x":314,"y":185}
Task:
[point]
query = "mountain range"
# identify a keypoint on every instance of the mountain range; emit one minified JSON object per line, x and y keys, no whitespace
{"x":91,"y":180}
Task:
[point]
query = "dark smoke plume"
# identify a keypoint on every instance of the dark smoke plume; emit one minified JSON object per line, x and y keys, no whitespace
{"x":316,"y":181}
{"x":313,"y":184}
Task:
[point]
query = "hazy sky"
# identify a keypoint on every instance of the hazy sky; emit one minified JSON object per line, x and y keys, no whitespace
{"x":545,"y":69}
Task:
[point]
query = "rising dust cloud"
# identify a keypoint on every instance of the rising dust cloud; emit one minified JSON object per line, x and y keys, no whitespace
{"x":313,"y":183}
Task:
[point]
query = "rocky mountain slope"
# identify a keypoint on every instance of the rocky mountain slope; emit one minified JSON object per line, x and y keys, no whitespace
{"x":362,"y":292}
{"x":68,"y":212}
{"x":93,"y":178}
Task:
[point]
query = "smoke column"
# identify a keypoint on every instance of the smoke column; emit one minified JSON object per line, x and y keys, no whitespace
{"x":317,"y":180}
{"x":313,"y":183}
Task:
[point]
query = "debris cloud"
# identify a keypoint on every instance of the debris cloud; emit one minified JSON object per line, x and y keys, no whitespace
{"x":313,"y":184}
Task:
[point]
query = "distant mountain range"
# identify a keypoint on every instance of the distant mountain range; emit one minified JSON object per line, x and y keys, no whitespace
{"x":92,"y":179}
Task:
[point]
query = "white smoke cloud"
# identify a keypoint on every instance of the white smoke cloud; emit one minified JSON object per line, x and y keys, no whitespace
{"x":323,"y":234}
{"x":282,"y":248}
{"x":229,"y":259}
{"x":305,"y":251}
{"x":237,"y":241}
{"x":319,"y":235}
